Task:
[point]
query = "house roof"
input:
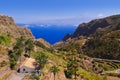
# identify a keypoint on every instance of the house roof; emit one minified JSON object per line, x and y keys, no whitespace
{"x":29,"y":62}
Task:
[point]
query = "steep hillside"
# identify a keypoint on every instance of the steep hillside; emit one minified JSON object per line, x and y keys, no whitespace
{"x":9,"y":31}
{"x":107,"y":46}
{"x":8,"y":27}
{"x":103,"y":25}
{"x":102,"y":38}
{"x":16,"y":45}
{"x":98,"y":39}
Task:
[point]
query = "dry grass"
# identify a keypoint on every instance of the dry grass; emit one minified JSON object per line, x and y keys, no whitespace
{"x":27,"y":77}
{"x":113,"y":78}
{"x":2,"y":50}
{"x":4,"y":68}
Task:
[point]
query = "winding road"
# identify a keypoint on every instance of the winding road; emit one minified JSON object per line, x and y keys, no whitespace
{"x":99,"y":59}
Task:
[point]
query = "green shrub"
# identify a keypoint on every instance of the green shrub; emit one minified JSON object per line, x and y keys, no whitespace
{"x":3,"y":63}
{"x":114,"y":74}
{"x":34,"y":77}
{"x":5,"y":40}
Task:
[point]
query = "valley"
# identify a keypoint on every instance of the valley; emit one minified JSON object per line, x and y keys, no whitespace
{"x":91,"y":52}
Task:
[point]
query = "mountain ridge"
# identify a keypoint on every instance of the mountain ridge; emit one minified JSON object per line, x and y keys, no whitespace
{"x":100,"y":38}
{"x":106,"y":24}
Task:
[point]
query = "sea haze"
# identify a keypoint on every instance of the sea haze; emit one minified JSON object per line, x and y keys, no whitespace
{"x":51,"y":33}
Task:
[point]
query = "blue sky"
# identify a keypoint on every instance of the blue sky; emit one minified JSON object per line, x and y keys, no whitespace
{"x":58,"y":11}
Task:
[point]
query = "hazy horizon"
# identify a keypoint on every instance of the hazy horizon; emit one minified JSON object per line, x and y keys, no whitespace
{"x":66,"y":12}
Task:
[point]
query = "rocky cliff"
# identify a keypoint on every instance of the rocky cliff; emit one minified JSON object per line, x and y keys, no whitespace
{"x":103,"y":25}
{"x":8,"y":27}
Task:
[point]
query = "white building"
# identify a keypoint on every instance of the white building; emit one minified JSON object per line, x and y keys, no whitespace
{"x":28,"y":66}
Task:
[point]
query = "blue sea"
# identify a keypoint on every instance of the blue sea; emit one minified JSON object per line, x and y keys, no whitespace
{"x":51,"y":33}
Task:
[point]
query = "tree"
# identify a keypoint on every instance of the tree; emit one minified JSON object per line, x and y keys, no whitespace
{"x":13,"y":60}
{"x":34,"y":77}
{"x":19,"y":47}
{"x":72,"y":68}
{"x":41,"y":59}
{"x":72,"y":64}
{"x":54,"y":70}
{"x":29,"y":46}
{"x":19,"y":43}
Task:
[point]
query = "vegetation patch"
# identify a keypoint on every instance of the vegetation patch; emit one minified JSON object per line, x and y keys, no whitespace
{"x":5,"y":40}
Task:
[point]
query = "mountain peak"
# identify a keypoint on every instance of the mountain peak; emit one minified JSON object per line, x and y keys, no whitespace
{"x":6,"y":20}
{"x":8,"y":27}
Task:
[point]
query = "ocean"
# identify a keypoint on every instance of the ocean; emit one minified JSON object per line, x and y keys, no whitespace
{"x":51,"y":33}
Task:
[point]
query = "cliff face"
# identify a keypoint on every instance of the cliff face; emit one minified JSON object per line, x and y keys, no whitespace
{"x":8,"y":27}
{"x":86,"y":29}
{"x":107,"y":24}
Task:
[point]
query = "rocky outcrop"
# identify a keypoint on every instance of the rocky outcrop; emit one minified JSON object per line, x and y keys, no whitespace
{"x":86,"y":29}
{"x":8,"y":27}
{"x":42,"y":43}
{"x":66,"y":37}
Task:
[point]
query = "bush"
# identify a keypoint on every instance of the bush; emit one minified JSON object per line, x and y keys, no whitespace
{"x":13,"y":60}
{"x":114,"y":74}
{"x":41,"y":59}
{"x":3,"y":63}
{"x":34,"y":77}
{"x":5,"y":40}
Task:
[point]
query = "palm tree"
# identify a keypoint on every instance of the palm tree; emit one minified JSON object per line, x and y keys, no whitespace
{"x":54,"y":70}
{"x":29,"y":46}
{"x":41,"y":59}
{"x":18,"y":48}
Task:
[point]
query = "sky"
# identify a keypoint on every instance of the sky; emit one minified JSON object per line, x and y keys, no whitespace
{"x":71,"y":12}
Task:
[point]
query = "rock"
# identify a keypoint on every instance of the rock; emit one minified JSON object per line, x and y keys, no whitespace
{"x":8,"y":27}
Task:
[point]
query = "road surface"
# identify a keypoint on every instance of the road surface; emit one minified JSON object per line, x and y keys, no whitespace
{"x":99,"y":59}
{"x":16,"y":76}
